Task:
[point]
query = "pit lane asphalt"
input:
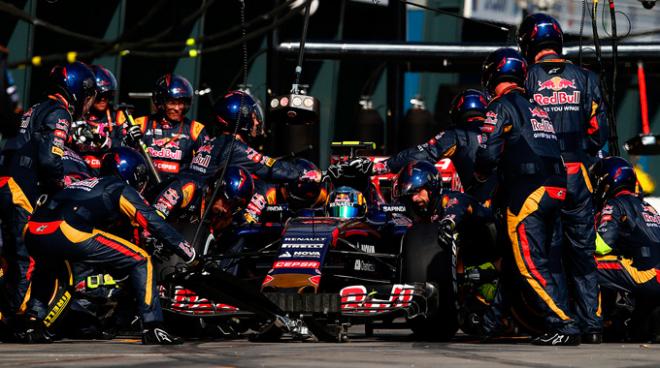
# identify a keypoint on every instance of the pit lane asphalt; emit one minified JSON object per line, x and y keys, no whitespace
{"x":390,"y":348}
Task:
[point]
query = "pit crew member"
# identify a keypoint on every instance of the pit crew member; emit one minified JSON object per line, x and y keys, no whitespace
{"x":524,"y":149}
{"x":571,"y":95}
{"x":80,"y":224}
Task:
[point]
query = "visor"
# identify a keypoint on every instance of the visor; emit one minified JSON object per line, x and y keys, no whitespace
{"x":343,"y":211}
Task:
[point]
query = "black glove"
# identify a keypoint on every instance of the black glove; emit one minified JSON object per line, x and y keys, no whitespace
{"x":362,"y":165}
{"x":159,"y":251}
{"x":134,"y":133}
{"x":446,"y":231}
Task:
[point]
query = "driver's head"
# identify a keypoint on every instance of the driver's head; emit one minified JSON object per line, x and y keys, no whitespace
{"x":417,"y":186}
{"x":235,"y":192}
{"x":346,"y":202}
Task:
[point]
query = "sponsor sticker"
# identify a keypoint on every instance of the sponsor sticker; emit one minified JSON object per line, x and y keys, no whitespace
{"x":168,"y":167}
{"x":57,"y":151}
{"x":296,"y":264}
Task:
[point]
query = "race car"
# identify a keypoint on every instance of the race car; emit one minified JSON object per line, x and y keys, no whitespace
{"x":346,"y":267}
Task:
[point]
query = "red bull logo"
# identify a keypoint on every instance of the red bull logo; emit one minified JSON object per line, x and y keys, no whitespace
{"x":556,"y":84}
{"x":166,"y":142}
{"x":539,"y":112}
{"x":165,"y":153}
{"x":207,"y":148}
{"x":558,"y":97}
{"x":542,"y":126}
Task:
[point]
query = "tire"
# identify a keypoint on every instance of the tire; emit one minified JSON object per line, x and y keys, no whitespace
{"x":423,"y":259}
{"x":62,"y":295}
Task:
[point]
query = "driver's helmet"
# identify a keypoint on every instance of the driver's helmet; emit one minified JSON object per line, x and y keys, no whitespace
{"x":346,"y":202}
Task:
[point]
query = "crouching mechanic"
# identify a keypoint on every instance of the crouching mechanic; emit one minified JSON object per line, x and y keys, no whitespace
{"x":418,"y":187}
{"x":182,"y":199}
{"x":627,"y":241}
{"x":298,"y":197}
{"x":77,"y":225}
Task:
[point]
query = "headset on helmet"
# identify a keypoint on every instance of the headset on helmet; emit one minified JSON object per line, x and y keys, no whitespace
{"x":237,"y":187}
{"x":468,"y":107}
{"x":238,"y":106}
{"x":303,"y":193}
{"x":127,"y":164}
{"x":610,"y":176}
{"x":503,"y":65}
{"x":346,"y":202}
{"x":75,"y":82}
{"x":538,"y":32}
{"x":106,"y":83}
{"x":172,"y":87}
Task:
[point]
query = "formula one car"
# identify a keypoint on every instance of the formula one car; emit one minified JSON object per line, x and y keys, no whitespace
{"x":333,"y":271}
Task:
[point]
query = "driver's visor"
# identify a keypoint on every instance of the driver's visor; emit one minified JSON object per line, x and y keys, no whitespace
{"x":343,"y":211}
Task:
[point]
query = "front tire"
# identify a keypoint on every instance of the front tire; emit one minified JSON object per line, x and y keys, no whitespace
{"x":425,"y":260}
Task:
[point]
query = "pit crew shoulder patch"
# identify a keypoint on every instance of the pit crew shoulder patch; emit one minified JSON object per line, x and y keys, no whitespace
{"x":142,"y":122}
{"x":188,"y":191}
{"x":57,"y":151}
{"x":195,"y":129}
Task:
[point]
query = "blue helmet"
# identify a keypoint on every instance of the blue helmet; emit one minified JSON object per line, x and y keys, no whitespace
{"x":303,"y":193}
{"x":468,"y":107}
{"x":415,"y":176}
{"x":237,"y":187}
{"x":172,"y":87}
{"x":346,"y":202}
{"x":611,"y":175}
{"x":238,"y":105}
{"x":75,"y":82}
{"x":538,"y":32}
{"x":503,"y":65}
{"x":127,"y":164}
{"x":106,"y":83}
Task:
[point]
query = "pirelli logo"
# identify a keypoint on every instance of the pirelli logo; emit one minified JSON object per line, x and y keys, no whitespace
{"x":57,"y":309}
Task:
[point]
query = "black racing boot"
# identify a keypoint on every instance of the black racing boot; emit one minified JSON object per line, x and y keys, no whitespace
{"x":592,"y":338}
{"x":156,"y":335}
{"x":34,"y":332}
{"x":556,"y":339}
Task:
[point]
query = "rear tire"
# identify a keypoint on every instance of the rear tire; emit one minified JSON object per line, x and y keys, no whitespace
{"x":425,"y":260}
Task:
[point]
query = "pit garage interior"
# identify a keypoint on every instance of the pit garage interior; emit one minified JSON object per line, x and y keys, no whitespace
{"x":381,"y":71}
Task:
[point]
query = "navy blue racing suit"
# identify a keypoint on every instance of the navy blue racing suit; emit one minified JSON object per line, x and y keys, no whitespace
{"x":571,"y":96}
{"x":75,"y":167}
{"x":458,"y":144}
{"x":31,"y":165}
{"x":524,"y":149}
{"x":628,"y":246}
{"x":180,"y":197}
{"x":79,"y":225}
{"x":212,"y":156}
{"x":171,"y":144}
